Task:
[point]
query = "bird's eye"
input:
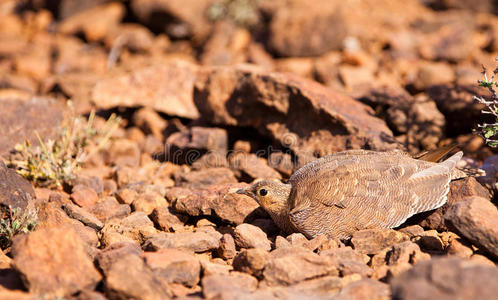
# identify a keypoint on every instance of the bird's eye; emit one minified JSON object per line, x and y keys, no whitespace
{"x":263,"y":192}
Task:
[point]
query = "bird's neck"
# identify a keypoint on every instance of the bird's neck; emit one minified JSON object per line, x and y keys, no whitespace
{"x":280,"y":213}
{"x":283,"y":222}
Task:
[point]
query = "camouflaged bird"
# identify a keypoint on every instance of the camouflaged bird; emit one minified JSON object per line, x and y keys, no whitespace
{"x":348,"y":191}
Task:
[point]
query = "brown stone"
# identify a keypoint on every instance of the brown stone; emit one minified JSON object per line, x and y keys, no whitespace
{"x":126,"y":196}
{"x":459,"y":247}
{"x":166,"y":220}
{"x":412,"y":230}
{"x":348,"y":261}
{"x":174,"y":265}
{"x":249,"y":167}
{"x":457,"y":104}
{"x":288,"y":266}
{"x":281,"y":162}
{"x":214,"y":268}
{"x":148,"y":201}
{"x":372,"y":241}
{"x":450,"y":41}
{"x":318,"y":288}
{"x":84,"y":196}
{"x":251,"y":261}
{"x":111,"y":254}
{"x":205,"y":178}
{"x":90,"y":295}
{"x":165,"y":88}
{"x":109,"y":208}
{"x":476,"y":219}
{"x":188,"y":145}
{"x":432,"y":74}
{"x":393,"y":260}
{"x":198,"y":241}
{"x":133,"y":36}
{"x":226,"y":46}
{"x":150,"y":122}
{"x":211,"y":160}
{"x":94,"y":22}
{"x":33,"y":63}
{"x":297,"y":239}
{"x":431,"y":241}
{"x":124,"y":153}
{"x":345,"y":253}
{"x":298,"y":29}
{"x":227,"y":248}
{"x":83,"y":216}
{"x":281,"y":242}
{"x":136,"y":227}
{"x":79,"y":66}
{"x":53,"y":261}
{"x":17,"y":193}
{"x":224,"y":285}
{"x":250,"y":236}
{"x":130,"y":278}
{"x":17,"y":295}
{"x":21,"y":119}
{"x":218,"y":200}
{"x":190,"y":19}
{"x":446,"y":278}
{"x":281,"y":105}
{"x":417,"y":118}
{"x":93,"y":182}
{"x":355,"y":77}
{"x":365,"y":289}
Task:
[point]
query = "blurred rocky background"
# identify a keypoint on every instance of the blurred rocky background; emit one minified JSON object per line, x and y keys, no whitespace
{"x":133,"y":122}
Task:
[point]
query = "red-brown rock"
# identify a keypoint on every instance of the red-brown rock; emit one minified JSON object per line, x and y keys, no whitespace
{"x":136,"y":227}
{"x":291,"y":265}
{"x":165,"y":87}
{"x":300,"y":29}
{"x":17,"y":193}
{"x":188,"y":145}
{"x":130,"y":278}
{"x":446,"y":278}
{"x":53,"y":261}
{"x":249,"y":167}
{"x":372,"y":241}
{"x":476,"y":219}
{"x":228,"y":285}
{"x":95,"y":23}
{"x":177,"y":266}
{"x":205,"y":178}
{"x":84,"y":196}
{"x":188,"y":18}
{"x":166,"y":220}
{"x":281,"y":105}
{"x":250,"y":236}
{"x":417,"y":119}
{"x":199,"y":241}
{"x":20,"y":119}
{"x":219,"y":200}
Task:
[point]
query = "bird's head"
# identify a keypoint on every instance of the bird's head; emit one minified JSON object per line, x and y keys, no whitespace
{"x":271,"y":195}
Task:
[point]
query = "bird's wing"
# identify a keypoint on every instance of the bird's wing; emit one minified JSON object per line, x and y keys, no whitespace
{"x":362,"y":189}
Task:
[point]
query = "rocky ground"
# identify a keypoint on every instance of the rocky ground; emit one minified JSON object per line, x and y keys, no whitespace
{"x":215,"y":94}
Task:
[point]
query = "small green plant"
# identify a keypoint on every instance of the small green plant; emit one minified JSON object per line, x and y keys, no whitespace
{"x":242,"y":12}
{"x":15,"y":223}
{"x":58,"y":160}
{"x":489,"y":131}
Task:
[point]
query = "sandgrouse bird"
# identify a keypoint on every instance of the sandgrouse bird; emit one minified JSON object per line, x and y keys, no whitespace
{"x":348,"y":191}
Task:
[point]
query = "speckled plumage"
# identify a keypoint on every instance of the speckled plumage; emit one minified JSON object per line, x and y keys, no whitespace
{"x":357,"y":189}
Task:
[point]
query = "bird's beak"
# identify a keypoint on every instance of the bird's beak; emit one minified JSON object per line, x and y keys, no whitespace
{"x":245,"y":192}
